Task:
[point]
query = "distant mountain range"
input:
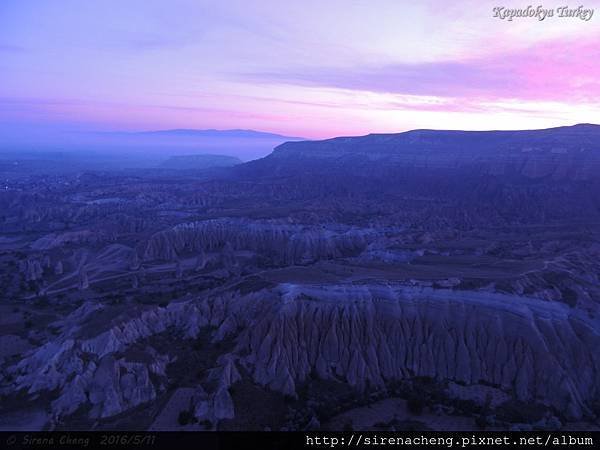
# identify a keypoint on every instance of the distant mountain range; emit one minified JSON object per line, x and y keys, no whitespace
{"x":149,"y":145}
{"x":243,"y":144}
{"x":209,"y":133}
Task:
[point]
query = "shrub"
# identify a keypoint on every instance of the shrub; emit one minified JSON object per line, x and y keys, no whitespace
{"x":569,"y":296}
{"x":515,"y":411}
{"x":206,"y":424}
{"x":415,"y":404}
{"x":481,"y":422}
{"x":185,"y":417}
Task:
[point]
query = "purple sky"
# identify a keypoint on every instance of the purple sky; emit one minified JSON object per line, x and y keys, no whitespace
{"x":312,"y":68}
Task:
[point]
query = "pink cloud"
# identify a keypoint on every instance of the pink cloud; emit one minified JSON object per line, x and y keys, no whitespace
{"x":557,"y":70}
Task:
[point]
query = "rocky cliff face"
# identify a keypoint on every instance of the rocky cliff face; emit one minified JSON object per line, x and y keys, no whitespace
{"x":366,"y":335}
{"x":89,"y":371}
{"x":373,"y":334}
{"x":284,"y":243}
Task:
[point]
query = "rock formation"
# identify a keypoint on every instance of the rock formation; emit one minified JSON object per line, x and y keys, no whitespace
{"x":285,"y":244}
{"x":366,"y":335}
